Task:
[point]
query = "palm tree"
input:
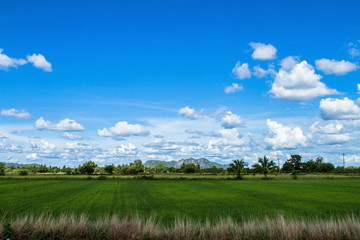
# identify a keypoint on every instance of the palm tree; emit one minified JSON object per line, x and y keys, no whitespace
{"x":237,"y":166}
{"x":264,"y":166}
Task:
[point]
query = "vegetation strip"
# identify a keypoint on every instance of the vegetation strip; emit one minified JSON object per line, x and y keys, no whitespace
{"x":80,"y":227}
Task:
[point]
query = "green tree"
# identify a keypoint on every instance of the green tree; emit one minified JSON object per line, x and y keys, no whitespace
{"x":264,"y":166}
{"x":160,"y":168}
{"x":136,"y":167}
{"x":43,"y":168}
{"x":88,"y":168}
{"x":309,"y":166}
{"x":191,"y":168}
{"x":109,"y":169}
{"x":2,"y":169}
{"x":293,"y":163}
{"x":326,"y":167}
{"x":237,"y":167}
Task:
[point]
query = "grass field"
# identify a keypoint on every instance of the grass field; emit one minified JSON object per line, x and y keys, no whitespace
{"x":166,"y":200}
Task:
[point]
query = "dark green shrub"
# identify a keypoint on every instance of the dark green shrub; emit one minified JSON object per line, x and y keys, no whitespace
{"x":102,"y":177}
{"x":2,"y":169}
{"x":23,"y":173}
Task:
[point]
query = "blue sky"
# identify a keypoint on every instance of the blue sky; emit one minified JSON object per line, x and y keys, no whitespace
{"x":116,"y":81}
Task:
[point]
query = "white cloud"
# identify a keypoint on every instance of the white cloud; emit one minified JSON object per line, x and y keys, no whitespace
{"x":47,"y":147}
{"x":32,"y":156}
{"x":354,"y":49}
{"x":333,"y":108}
{"x":260,"y":72}
{"x":231,"y":120}
{"x":331,"y":139}
{"x":241,"y":71}
{"x":7,"y":62}
{"x":233,"y":88}
{"x":289,"y":62}
{"x":64,"y":125}
{"x":187,"y":112}
{"x":39,"y":61}
{"x":229,"y":138}
{"x":263,"y":51}
{"x":331,"y":66}
{"x":124,"y":129}
{"x":123,"y":150}
{"x":160,"y":146}
{"x":77,"y":146}
{"x":16,"y":113}
{"x":284,"y":137}
{"x":331,"y":133}
{"x":71,"y":136}
{"x":299,"y":84}
{"x":358,"y":88}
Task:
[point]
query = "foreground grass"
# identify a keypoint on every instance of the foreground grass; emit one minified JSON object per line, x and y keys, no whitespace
{"x":167,"y":200}
{"x":72,"y":227}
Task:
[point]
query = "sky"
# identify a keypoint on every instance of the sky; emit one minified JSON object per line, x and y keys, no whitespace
{"x":116,"y":81}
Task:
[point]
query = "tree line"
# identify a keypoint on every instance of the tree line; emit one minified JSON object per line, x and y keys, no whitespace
{"x":264,"y":165}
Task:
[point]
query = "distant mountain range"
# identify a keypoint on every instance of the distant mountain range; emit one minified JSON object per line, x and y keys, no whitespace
{"x":202,"y":162}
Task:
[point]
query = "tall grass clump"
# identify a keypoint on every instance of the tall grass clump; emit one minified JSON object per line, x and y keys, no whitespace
{"x":114,"y":227}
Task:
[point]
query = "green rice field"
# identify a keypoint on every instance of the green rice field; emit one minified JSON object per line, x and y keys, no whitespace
{"x":166,"y":200}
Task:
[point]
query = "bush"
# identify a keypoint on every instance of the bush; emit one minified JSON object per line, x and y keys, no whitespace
{"x":102,"y":177}
{"x":23,"y":173}
{"x":294,"y":174}
{"x":144,"y":177}
{"x":2,"y":169}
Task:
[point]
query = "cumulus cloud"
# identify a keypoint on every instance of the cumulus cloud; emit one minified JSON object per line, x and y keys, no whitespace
{"x":39,"y":61}
{"x":47,"y":147}
{"x":263,"y":51}
{"x":241,"y":71}
{"x":231,"y":120}
{"x":71,"y":136}
{"x":301,"y":83}
{"x":123,"y":150}
{"x":260,"y":72}
{"x":331,"y":139}
{"x":284,"y":137}
{"x":190,"y":113}
{"x":160,"y":146}
{"x":289,"y":62}
{"x":64,"y":125}
{"x":228,"y":138}
{"x":358,"y":88}
{"x":233,"y":88}
{"x":124,"y":129}
{"x":331,"y":128}
{"x":16,"y":113}
{"x":7,"y":62}
{"x":331,"y":66}
{"x":331,"y":133}
{"x":32,"y":156}
{"x":334,"y":108}
{"x":354,"y":49}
